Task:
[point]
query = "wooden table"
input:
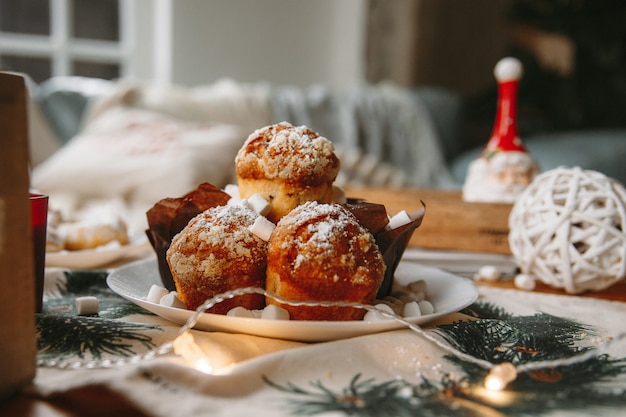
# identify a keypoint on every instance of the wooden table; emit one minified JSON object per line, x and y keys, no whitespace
{"x":96,"y":401}
{"x":447,"y":207}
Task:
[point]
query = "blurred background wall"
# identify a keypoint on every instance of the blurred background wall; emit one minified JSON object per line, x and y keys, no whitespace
{"x":573,"y":51}
{"x":339,"y":42}
{"x":282,"y":41}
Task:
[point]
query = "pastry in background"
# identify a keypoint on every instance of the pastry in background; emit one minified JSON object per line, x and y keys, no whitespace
{"x":320,"y":252}
{"x":90,"y":228}
{"x":93,"y":233}
{"x":217,"y":252}
{"x":288,"y":166}
{"x":54,"y":241}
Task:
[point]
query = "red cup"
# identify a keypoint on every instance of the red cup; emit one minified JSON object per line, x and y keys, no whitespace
{"x":39,"y":223}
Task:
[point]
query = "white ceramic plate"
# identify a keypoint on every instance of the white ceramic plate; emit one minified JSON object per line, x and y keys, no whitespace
{"x":94,"y":258}
{"x":447,"y":292}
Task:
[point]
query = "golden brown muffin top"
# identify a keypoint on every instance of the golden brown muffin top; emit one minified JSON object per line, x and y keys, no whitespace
{"x":323,"y":244}
{"x":215,"y":242}
{"x":286,"y":152}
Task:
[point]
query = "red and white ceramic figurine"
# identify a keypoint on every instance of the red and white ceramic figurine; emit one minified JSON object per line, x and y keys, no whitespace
{"x":504,"y":168}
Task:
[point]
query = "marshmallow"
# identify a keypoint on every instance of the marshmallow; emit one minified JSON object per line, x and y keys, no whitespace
{"x":240,"y":312}
{"x":86,"y":306}
{"x":412,"y":309}
{"x":233,"y":191}
{"x":241,"y":202}
{"x":399,"y":220}
{"x":262,"y":227}
{"x":373,"y":315}
{"x":524,"y":282}
{"x":489,"y":272}
{"x":259,"y":204}
{"x":272,"y":312}
{"x":156,"y":293}
{"x":171,"y":300}
{"x":417,"y":214}
{"x":426,"y":307}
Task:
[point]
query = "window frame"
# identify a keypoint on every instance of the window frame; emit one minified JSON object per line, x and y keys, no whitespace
{"x":62,"y":49}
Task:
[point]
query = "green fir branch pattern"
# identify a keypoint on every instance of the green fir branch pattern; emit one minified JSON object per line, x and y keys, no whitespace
{"x":518,"y":339}
{"x":88,"y":283}
{"x":63,"y":334}
{"x":394,"y":398}
{"x":496,"y":336}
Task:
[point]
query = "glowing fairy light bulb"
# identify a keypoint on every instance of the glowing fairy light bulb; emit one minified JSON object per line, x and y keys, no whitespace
{"x":500,"y":375}
{"x":203,"y":365}
{"x":186,"y":347}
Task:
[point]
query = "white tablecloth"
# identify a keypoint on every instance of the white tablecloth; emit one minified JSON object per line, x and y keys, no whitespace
{"x":388,"y":374}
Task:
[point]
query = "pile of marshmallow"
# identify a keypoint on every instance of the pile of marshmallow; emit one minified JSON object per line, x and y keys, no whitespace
{"x":406,"y":301}
{"x":492,"y":273}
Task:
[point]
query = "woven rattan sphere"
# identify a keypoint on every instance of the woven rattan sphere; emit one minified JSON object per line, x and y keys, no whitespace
{"x":568,"y":230}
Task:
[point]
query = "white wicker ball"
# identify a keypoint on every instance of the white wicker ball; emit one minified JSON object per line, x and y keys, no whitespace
{"x":568,"y":230}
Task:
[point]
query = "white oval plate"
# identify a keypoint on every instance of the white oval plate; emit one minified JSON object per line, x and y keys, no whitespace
{"x":447,"y":292}
{"x":94,"y":258}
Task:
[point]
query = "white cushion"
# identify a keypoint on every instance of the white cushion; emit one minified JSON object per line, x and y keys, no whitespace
{"x":141,"y":156}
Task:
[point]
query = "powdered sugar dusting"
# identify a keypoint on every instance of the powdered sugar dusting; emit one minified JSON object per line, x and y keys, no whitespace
{"x":330,"y":236}
{"x":332,"y":220}
{"x":288,"y":152}
{"x":215,"y":240}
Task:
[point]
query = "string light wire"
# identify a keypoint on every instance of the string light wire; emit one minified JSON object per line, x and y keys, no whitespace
{"x":498,"y":377}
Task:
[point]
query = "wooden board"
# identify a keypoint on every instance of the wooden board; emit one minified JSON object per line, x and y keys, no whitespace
{"x":450,"y":222}
{"x":17,"y":301}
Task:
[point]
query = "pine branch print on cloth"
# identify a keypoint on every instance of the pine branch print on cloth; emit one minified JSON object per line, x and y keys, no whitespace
{"x":539,"y":337}
{"x":496,"y":336}
{"x":395,"y":398}
{"x":63,"y":335}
